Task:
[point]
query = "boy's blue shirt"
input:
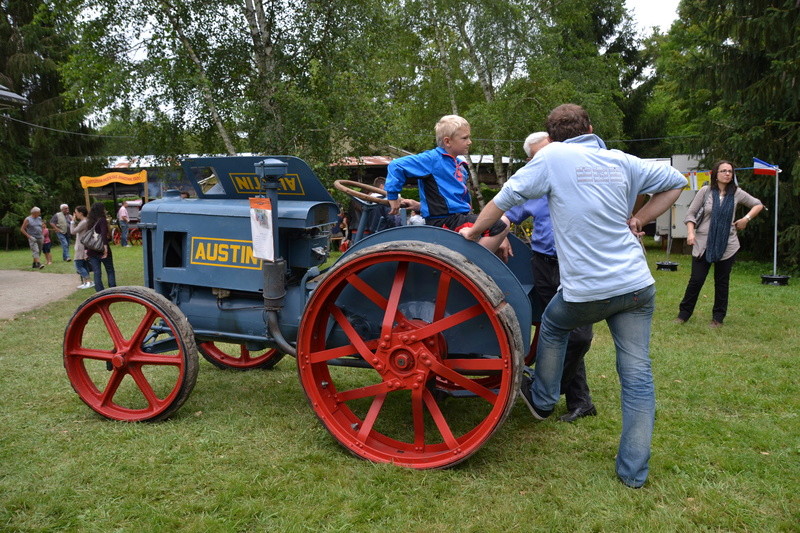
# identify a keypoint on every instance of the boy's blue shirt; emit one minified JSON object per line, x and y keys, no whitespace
{"x":441,"y":178}
{"x":591,"y":192}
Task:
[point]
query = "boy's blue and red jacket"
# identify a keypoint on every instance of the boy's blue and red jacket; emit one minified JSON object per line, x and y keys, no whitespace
{"x":442,"y":181}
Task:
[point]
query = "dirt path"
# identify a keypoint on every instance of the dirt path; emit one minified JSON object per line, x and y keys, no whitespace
{"x":22,"y":291}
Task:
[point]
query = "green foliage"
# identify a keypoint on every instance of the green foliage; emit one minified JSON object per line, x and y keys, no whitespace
{"x":39,"y":165}
{"x":732,"y":70}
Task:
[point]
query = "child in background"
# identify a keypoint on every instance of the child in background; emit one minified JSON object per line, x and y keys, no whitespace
{"x":47,"y":245}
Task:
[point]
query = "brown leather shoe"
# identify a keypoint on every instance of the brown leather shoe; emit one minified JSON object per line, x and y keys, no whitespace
{"x":714,"y":324}
{"x":678,"y":320}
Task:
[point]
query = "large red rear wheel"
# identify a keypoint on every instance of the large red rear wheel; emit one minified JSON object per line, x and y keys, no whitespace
{"x":237,"y":356}
{"x":412,"y":315}
{"x":130,"y":354}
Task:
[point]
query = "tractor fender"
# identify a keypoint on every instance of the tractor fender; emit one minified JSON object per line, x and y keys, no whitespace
{"x":515,"y":278}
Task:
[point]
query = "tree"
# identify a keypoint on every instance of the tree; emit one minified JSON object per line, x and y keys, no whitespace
{"x":732,"y":69}
{"x":275,"y":76}
{"x":40,"y":164}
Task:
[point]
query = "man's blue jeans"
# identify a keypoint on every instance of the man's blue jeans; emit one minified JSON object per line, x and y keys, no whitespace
{"x":628,"y":317}
{"x":123,"y":233}
{"x":63,"y":238}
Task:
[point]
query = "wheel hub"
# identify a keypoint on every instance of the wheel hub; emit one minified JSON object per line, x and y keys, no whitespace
{"x":402,"y":361}
{"x":119,"y":361}
{"x":405,"y":356}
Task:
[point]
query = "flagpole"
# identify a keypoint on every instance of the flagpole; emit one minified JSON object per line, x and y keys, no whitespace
{"x":762,"y":167}
{"x":775,"y":239}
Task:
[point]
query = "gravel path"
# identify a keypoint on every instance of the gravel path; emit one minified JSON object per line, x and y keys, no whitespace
{"x":22,"y":291}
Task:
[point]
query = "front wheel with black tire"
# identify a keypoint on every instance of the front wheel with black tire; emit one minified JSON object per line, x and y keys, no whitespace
{"x":130,"y":354}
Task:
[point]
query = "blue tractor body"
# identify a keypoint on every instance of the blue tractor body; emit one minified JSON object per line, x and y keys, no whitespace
{"x":408,"y":322}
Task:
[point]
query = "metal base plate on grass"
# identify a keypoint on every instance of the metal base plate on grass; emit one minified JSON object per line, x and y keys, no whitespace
{"x":667,"y":265}
{"x":772,"y":279}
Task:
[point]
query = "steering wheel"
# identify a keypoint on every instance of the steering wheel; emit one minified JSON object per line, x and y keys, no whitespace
{"x":346,"y":187}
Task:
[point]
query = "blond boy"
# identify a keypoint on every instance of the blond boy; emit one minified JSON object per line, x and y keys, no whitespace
{"x":442,"y":180}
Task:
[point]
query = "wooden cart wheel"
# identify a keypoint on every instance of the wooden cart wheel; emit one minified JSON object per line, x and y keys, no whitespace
{"x":346,"y":186}
{"x":130,"y":354}
{"x":412,"y":314}
{"x":237,"y":356}
{"x":116,"y":236}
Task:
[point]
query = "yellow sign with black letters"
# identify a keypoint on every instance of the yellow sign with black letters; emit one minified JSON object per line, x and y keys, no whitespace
{"x":227,"y":253}
{"x":248,"y":183}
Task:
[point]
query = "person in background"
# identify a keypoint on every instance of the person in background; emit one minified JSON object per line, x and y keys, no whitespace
{"x":78,"y":226}
{"x":416,"y":219}
{"x":46,"y":244}
{"x":379,"y":217}
{"x":123,"y":220}
{"x":711,"y":228}
{"x":591,"y":192}
{"x":97,"y":221}
{"x":60,"y":223}
{"x":547,"y":280}
{"x":32,"y":230}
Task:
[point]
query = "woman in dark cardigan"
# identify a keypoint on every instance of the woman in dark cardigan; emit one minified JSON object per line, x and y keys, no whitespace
{"x":711,"y":227}
{"x":97,"y":222}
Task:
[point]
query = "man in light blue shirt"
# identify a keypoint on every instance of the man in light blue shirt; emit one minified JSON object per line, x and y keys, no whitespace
{"x":604,"y":274}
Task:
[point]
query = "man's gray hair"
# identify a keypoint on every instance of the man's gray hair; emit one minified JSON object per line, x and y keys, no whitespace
{"x":63,"y":206}
{"x":532,"y":140}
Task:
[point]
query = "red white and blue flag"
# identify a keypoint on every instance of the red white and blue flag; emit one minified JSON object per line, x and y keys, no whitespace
{"x":763,"y":168}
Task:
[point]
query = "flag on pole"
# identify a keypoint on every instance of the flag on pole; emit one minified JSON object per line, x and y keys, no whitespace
{"x":763,"y":168}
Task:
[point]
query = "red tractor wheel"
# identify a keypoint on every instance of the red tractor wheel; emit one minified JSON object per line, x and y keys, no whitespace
{"x":130,"y":354}
{"x":237,"y":356}
{"x":411,"y":315}
{"x":116,"y":236}
{"x":135,"y":236}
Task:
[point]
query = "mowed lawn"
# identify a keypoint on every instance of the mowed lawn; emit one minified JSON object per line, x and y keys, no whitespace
{"x":246,"y":452}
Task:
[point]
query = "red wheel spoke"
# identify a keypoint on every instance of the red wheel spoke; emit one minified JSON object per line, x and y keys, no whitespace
{"x":88,"y":353}
{"x":372,"y":416}
{"x":463,"y":381}
{"x":441,"y":296}
{"x":141,"y":381}
{"x":364,"y":288}
{"x":244,"y":354}
{"x":449,"y":322}
{"x":394,"y":299}
{"x":335,"y":353}
{"x":460,"y":365}
{"x":111,"y":326}
{"x":114,"y":380}
{"x":438,"y":418}
{"x":142,"y":358}
{"x":351,"y":333}
{"x":143,"y":328}
{"x":418,"y":415}
{"x":363,"y":392}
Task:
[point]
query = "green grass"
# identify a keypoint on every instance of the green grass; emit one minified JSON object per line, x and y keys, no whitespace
{"x":247,"y":453}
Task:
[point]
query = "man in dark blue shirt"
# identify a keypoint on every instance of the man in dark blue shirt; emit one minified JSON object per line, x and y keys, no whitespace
{"x":547,"y":280}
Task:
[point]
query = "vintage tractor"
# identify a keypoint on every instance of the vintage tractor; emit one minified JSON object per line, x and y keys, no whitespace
{"x":409,"y":348}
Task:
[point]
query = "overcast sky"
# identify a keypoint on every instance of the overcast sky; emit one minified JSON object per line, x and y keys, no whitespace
{"x":651,"y":13}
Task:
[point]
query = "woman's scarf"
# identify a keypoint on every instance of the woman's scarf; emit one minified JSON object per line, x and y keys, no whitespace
{"x":720,"y":228}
